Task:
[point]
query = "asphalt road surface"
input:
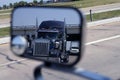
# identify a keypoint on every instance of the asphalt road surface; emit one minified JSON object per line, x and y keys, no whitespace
{"x":102,"y":56}
{"x":4,"y":23}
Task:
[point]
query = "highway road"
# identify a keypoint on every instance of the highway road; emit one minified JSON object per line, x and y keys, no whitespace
{"x":100,"y":56}
{"x":101,"y":8}
{"x":4,"y":22}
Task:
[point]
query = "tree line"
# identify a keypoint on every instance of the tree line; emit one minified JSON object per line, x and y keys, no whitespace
{"x":21,"y":3}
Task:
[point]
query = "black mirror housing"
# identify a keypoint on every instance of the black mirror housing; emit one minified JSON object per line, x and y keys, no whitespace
{"x":53,"y":34}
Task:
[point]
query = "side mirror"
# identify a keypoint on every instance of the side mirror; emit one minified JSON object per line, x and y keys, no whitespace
{"x":50,"y":34}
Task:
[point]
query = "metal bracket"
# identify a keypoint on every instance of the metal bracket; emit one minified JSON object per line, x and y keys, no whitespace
{"x":72,"y":70}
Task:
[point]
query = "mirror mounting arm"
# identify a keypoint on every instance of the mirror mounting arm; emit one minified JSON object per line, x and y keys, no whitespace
{"x":71,"y":70}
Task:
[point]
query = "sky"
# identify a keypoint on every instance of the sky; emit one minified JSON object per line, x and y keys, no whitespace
{"x":2,"y":2}
{"x":27,"y":16}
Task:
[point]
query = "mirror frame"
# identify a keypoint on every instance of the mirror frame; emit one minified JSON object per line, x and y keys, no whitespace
{"x":81,"y":29}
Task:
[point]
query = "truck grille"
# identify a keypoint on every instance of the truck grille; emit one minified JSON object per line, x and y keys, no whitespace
{"x":41,"y":47}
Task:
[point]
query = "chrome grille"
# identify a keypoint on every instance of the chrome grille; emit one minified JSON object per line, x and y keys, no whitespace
{"x":41,"y":47}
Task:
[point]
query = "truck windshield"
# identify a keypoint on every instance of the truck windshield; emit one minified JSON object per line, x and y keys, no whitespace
{"x":48,"y":34}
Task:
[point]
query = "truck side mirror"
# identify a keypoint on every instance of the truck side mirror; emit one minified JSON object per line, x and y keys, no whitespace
{"x":50,"y":34}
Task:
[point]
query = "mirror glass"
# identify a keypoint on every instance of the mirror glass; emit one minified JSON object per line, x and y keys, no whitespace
{"x":52,"y":34}
{"x":19,"y":45}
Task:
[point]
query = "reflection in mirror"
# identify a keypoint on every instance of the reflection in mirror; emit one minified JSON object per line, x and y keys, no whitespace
{"x":52,"y":34}
{"x":19,"y":45}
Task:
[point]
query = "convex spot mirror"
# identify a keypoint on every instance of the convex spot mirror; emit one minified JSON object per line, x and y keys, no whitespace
{"x":51,"y":34}
{"x":19,"y":45}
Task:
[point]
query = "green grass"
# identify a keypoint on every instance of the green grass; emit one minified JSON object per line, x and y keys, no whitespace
{"x":104,"y":15}
{"x":6,"y":11}
{"x":4,"y":16}
{"x":4,"y":31}
{"x":85,"y":3}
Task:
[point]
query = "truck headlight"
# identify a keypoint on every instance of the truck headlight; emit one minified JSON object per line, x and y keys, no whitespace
{"x":74,"y":50}
{"x":57,"y":44}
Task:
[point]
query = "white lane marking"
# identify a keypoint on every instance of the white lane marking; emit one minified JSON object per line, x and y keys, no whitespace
{"x":4,"y":40}
{"x":89,"y":43}
{"x":5,"y":25}
{"x":12,"y":62}
{"x":102,"y":40}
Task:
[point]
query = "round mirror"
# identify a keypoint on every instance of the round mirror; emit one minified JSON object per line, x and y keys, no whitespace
{"x":19,"y":45}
